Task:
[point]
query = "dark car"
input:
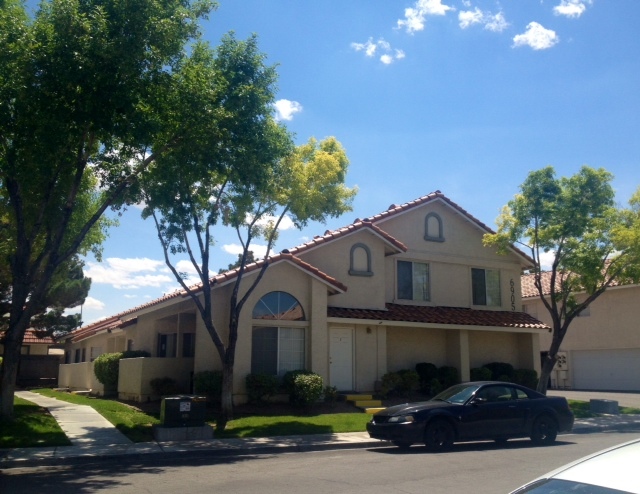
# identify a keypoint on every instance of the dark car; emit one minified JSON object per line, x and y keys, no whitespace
{"x":474,"y":411}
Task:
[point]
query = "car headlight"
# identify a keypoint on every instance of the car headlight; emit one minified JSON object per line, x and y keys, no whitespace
{"x":401,"y":419}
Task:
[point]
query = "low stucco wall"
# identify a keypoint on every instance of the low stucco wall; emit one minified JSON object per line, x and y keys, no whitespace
{"x":134,"y":380}
{"x":79,"y":377}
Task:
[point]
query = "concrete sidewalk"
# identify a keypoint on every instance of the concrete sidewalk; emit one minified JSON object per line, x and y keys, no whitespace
{"x":93,"y":437}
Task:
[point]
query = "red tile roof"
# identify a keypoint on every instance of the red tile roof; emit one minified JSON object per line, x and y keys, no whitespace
{"x":455,"y":316}
{"x":33,"y":337}
{"x":527,"y":283}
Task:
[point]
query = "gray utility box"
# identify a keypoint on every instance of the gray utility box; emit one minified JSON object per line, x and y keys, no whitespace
{"x":183,"y":411}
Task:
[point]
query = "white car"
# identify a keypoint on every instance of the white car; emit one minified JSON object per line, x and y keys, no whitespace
{"x":611,"y":471}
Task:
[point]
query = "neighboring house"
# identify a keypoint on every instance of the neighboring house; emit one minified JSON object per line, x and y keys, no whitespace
{"x":412,"y":284}
{"x":39,"y":360}
{"x":601,"y":350}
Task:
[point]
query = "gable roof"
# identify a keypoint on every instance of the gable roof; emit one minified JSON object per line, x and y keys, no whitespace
{"x":455,"y":316}
{"x":528,"y":287}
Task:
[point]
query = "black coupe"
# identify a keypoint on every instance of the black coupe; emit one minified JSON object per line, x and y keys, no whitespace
{"x":474,"y":411}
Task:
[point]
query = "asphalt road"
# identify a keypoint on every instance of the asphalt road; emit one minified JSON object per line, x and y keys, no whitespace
{"x":478,"y":468}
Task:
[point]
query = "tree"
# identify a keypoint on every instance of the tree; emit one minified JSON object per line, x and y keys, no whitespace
{"x":250,"y":258}
{"x":86,"y":86}
{"x":306,"y":183}
{"x":594,"y":244}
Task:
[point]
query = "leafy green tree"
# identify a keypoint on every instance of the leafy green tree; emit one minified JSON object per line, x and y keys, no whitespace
{"x":86,"y":88}
{"x":305,"y":183}
{"x":594,"y":243}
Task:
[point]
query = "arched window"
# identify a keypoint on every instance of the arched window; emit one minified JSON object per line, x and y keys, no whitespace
{"x":360,"y":260}
{"x":278,"y":347}
{"x":433,"y":230}
{"x":278,"y":306}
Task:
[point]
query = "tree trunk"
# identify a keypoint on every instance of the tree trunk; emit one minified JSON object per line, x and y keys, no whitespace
{"x":10,"y":362}
{"x":226,"y":400}
{"x":547,"y":367}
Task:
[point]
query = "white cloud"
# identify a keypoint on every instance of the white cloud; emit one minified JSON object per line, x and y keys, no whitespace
{"x":259,"y":251}
{"x":537,"y":37}
{"x":187,"y":268}
{"x":414,"y":16}
{"x":370,"y":48}
{"x":128,"y":273}
{"x":546,"y":260}
{"x":285,"y":109}
{"x":571,"y":8}
{"x":492,"y":22}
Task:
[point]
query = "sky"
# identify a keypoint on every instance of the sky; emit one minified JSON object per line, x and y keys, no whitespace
{"x":462,"y":96}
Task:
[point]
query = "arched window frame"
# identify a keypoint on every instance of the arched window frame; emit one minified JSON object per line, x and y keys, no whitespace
{"x":427,"y":234}
{"x":357,"y":272}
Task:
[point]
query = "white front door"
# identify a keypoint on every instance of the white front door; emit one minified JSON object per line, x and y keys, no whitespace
{"x":341,"y":358}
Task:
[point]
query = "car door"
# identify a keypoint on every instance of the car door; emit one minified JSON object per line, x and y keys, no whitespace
{"x":493,"y":412}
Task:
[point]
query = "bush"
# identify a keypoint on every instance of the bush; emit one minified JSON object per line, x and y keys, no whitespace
{"x":391,"y":382}
{"x":107,"y":368}
{"x":399,"y":383}
{"x":448,"y":376}
{"x":208,"y":383}
{"x":435,"y":386}
{"x":261,"y":387}
{"x":526,"y":377}
{"x":426,"y":372}
{"x":480,"y":374}
{"x":288,"y":380}
{"x":409,"y":381}
{"x":307,"y":389}
{"x":164,"y":386}
{"x":501,"y":371}
{"x":330,"y":394}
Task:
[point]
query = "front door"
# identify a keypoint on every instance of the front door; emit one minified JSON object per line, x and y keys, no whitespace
{"x":341,"y":358}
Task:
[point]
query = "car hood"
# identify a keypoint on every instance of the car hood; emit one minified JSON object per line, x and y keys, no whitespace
{"x":408,"y":408}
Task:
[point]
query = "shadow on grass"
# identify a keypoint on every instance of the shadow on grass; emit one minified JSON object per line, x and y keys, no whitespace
{"x":32,"y":426}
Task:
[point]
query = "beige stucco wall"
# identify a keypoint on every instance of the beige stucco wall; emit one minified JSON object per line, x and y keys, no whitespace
{"x":408,"y":346}
{"x":79,"y":377}
{"x":134,"y":378}
{"x":491,"y":346}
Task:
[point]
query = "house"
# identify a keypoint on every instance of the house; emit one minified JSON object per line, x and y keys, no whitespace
{"x":39,"y":360}
{"x":412,"y":284}
{"x":601,"y":350}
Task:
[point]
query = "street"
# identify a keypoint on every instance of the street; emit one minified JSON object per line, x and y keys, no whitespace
{"x":479,"y":468}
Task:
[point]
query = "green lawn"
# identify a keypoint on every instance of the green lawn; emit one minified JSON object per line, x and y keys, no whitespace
{"x":34,"y":426}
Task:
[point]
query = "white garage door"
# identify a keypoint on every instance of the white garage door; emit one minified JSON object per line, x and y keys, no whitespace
{"x":606,"y":369}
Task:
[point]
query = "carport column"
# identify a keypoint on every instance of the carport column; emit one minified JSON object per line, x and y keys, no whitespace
{"x":458,"y":352}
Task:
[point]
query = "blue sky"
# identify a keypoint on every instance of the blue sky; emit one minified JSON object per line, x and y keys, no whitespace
{"x":466,"y":97}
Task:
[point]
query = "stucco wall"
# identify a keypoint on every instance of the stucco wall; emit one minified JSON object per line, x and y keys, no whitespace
{"x":408,"y":346}
{"x":134,"y":379}
{"x":79,"y":377}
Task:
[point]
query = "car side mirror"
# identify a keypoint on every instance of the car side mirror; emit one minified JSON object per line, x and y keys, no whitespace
{"x":478,"y":401}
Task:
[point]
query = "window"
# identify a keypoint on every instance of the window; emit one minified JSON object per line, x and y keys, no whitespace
{"x":76,"y":359}
{"x":84,"y":355}
{"x":485,"y":284}
{"x":413,"y":281}
{"x":278,"y":306}
{"x":167,"y":345}
{"x":433,"y":231}
{"x":360,"y":261}
{"x":276,"y":351}
{"x":188,"y":344}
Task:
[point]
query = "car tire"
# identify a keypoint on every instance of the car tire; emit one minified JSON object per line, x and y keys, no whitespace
{"x":439,"y":435}
{"x":544,"y":430}
{"x":402,"y":444}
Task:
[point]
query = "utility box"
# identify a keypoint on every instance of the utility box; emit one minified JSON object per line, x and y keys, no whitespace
{"x":183,"y":411}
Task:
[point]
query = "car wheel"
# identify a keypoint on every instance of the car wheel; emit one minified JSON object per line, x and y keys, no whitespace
{"x":544,"y":430}
{"x":402,"y":444}
{"x":439,"y":435}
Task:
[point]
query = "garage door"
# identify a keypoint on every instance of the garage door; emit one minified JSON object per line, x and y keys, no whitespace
{"x":606,"y":369}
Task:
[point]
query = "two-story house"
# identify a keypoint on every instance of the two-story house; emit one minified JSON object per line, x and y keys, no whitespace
{"x":412,"y":284}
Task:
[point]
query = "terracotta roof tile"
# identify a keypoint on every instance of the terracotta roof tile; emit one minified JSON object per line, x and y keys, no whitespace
{"x":455,"y":316}
{"x":528,"y":287}
{"x":33,"y":337}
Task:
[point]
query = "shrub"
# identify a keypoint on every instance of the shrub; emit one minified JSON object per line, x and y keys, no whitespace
{"x":208,"y":383}
{"x":107,"y":368}
{"x":448,"y":376}
{"x":288,"y":380}
{"x":164,"y":386}
{"x":480,"y":374}
{"x":261,"y":387}
{"x":330,"y":394}
{"x":409,"y":381}
{"x":426,"y":371}
{"x":307,"y":389}
{"x":391,"y":383}
{"x":501,"y":371}
{"x":526,"y":377}
{"x":435,"y":386}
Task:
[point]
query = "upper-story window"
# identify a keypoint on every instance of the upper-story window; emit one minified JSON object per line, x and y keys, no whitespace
{"x":360,"y":260}
{"x":433,"y":230}
{"x":413,"y":281}
{"x":485,"y":285}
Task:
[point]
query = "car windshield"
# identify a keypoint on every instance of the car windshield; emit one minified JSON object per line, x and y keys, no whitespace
{"x":457,"y":394}
{"x":555,"y":486}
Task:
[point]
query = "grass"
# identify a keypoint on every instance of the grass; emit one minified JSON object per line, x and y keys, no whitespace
{"x":32,"y":426}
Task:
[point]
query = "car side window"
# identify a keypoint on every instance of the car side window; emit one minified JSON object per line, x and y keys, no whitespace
{"x":494,"y":394}
{"x":521,"y":395}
